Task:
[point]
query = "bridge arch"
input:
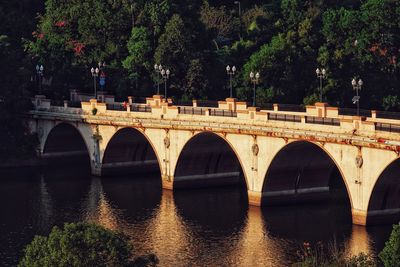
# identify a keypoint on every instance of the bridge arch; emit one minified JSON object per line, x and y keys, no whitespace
{"x":384,"y":201}
{"x":208,"y":159}
{"x":65,"y":140}
{"x":130,"y":150}
{"x":303,"y":171}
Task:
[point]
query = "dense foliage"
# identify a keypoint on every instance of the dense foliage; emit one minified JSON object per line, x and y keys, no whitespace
{"x":18,"y":20}
{"x":82,"y":244}
{"x":390,"y":255}
{"x":284,"y":40}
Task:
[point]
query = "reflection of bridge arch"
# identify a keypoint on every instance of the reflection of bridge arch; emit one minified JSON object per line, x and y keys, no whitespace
{"x":302,"y":171}
{"x":129,"y":150}
{"x":384,"y":202}
{"x":208,"y":159}
{"x":65,"y":140}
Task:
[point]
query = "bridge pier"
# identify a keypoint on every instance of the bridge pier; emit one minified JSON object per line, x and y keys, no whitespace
{"x":96,"y":169}
{"x":359,"y":217}
{"x":254,"y":198}
{"x":167,"y":182}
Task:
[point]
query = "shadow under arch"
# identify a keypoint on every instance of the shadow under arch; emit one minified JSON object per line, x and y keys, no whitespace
{"x":302,"y":171}
{"x":208,"y":160}
{"x":305,"y":178}
{"x":384,"y":203}
{"x":130,"y":151}
{"x":65,"y":144}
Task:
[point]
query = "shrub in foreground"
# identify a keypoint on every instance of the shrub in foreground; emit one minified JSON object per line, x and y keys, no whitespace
{"x":82,"y":244}
{"x":333,"y":257}
{"x":390,"y":255}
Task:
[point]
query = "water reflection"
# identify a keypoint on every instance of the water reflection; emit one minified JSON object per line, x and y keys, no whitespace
{"x":207,"y":227}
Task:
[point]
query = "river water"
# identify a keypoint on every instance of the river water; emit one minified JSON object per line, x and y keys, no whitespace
{"x":196,"y":227}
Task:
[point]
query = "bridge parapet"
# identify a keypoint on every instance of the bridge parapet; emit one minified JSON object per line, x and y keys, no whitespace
{"x":318,"y":118}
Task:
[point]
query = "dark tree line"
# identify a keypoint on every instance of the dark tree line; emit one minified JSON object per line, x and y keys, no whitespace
{"x":18,"y":19}
{"x":284,"y":40}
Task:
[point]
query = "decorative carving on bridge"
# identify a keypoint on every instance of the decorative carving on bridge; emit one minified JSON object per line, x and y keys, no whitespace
{"x":359,"y":161}
{"x":96,"y":135}
{"x":167,"y":142}
{"x":255,"y":149}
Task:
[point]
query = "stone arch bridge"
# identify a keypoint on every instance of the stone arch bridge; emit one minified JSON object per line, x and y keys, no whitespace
{"x":280,"y":154}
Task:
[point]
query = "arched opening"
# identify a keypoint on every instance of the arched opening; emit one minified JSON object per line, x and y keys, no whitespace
{"x":66,"y":177}
{"x":128,"y":152}
{"x":384,"y":204}
{"x":215,"y":196}
{"x":208,"y":160}
{"x":303,"y":178}
{"x":65,"y":145}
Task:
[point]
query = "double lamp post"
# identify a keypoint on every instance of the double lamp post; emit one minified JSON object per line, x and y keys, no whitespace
{"x":165,"y":76}
{"x":39,"y":73}
{"x":95,"y":73}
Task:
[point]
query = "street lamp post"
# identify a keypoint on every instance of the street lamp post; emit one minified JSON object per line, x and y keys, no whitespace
{"x":39,"y":72}
{"x":254,"y":79}
{"x":165,"y":75}
{"x":158,"y":69}
{"x":240,"y":18}
{"x":230,"y":71}
{"x":95,"y":74}
{"x":321,"y":74}
{"x":357,"y":85}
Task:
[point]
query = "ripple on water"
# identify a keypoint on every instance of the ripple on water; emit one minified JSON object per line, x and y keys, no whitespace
{"x":204,"y":227}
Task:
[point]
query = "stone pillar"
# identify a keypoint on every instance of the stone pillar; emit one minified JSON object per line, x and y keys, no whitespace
{"x":252,"y":112}
{"x":276,"y":107}
{"x":167,"y":182}
{"x":96,"y":169}
{"x":359,"y":217}
{"x":231,"y":104}
{"x":130,"y":100}
{"x":321,"y":109}
{"x":254,"y":198}
{"x":65,"y":104}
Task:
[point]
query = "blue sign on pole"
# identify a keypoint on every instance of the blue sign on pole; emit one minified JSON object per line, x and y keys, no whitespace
{"x":102,"y":81}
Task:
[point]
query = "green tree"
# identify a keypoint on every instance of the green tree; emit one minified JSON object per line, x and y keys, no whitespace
{"x":390,"y":255}
{"x":82,"y":244}
{"x":137,"y":63}
{"x":72,"y":36}
{"x":15,"y":139}
{"x":196,"y":80}
{"x":173,"y":51}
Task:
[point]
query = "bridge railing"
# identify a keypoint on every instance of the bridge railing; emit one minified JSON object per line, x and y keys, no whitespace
{"x":192,"y":110}
{"x":222,"y":113}
{"x":140,"y":108}
{"x":387,"y":127}
{"x":284,"y":117}
{"x":323,"y":121}
{"x":116,"y":106}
